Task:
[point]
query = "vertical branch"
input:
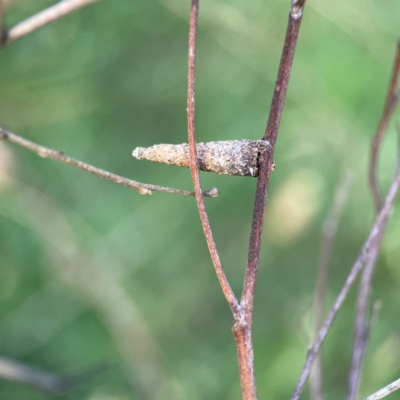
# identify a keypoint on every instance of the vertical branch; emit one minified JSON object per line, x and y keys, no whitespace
{"x":243,"y":329}
{"x":295,"y":17}
{"x":194,"y":167}
{"x":329,"y":230}
{"x":366,"y":253}
{"x":390,"y":105}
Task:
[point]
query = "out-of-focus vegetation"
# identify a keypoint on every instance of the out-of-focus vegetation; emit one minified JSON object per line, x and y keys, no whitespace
{"x":92,"y":271}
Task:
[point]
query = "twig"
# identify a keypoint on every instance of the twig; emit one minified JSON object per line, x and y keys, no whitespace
{"x":329,"y":230}
{"x":142,"y":188}
{"x":243,"y":329}
{"x":390,"y":105}
{"x":380,"y":394}
{"x":361,"y":331}
{"x":59,"y":10}
{"x":295,"y":17}
{"x":374,"y":312}
{"x":45,"y":381}
{"x":364,"y":255}
{"x":194,"y":167}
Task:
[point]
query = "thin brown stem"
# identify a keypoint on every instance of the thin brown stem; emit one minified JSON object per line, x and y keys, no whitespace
{"x":392,"y":99}
{"x":328,"y":234}
{"x":142,"y":188}
{"x":245,"y":354}
{"x":285,"y":67}
{"x":367,"y":250}
{"x":380,"y":394}
{"x":243,"y":329}
{"x":194,"y":167}
{"x":45,"y":17}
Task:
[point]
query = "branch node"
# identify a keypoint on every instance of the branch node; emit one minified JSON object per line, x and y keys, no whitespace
{"x":214,"y":192}
{"x":145,"y":191}
{"x":297,"y":9}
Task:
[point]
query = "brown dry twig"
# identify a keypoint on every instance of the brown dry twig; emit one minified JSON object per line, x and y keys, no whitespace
{"x":243,"y":331}
{"x":194,"y":167}
{"x":45,"y":17}
{"x":142,"y":188}
{"x":295,"y":17}
{"x":392,"y":100}
{"x":367,"y":252}
{"x":243,"y":312}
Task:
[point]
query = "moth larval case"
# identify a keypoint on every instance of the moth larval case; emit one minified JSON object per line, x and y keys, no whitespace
{"x":227,"y":157}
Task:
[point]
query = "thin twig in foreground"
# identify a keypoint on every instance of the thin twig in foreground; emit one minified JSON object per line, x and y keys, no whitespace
{"x":390,"y":105}
{"x":43,"y":18}
{"x":142,"y":188}
{"x":328,"y":234}
{"x":364,"y":255}
{"x":380,"y":394}
{"x":194,"y":167}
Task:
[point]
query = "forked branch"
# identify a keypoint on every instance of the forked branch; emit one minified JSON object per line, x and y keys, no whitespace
{"x":45,"y":17}
{"x":367,"y":252}
{"x":142,"y":188}
{"x":361,"y":329}
{"x":242,"y":312}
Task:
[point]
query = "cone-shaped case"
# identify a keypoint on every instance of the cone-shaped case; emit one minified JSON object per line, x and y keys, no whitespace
{"x":228,"y":157}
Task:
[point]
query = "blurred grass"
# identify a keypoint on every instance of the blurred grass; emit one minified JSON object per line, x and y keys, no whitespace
{"x":92,"y":271}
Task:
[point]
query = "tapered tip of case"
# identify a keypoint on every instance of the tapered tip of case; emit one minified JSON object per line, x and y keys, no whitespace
{"x":137,"y":152}
{"x":227,"y":157}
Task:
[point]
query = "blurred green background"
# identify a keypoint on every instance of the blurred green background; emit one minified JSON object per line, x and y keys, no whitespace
{"x":91,"y":271}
